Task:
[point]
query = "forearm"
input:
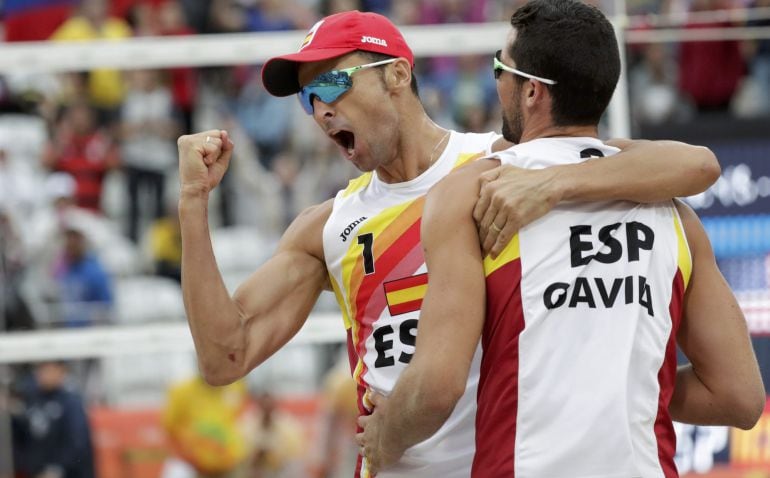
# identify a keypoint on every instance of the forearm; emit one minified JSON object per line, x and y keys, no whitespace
{"x":419,"y":407}
{"x":214,"y":318}
{"x":646,"y":172}
{"x":694,"y":402}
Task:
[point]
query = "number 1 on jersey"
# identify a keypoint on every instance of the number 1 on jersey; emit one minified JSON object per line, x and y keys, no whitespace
{"x":368,"y":241}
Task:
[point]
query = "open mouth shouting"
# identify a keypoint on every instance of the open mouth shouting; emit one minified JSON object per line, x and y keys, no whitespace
{"x":346,"y":140}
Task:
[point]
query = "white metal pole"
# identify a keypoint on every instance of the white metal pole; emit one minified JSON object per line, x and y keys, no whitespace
{"x":619,"y":111}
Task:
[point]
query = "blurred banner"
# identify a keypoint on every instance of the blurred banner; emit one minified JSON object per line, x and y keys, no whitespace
{"x":736,"y":215}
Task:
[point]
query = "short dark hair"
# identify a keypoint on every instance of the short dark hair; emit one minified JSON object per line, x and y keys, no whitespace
{"x":574,"y":44}
{"x":372,"y":56}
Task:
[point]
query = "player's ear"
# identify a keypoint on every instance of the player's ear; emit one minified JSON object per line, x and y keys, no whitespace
{"x":534,"y":91}
{"x":399,"y":75}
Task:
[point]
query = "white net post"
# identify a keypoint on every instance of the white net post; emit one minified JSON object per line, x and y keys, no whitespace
{"x":618,"y":112}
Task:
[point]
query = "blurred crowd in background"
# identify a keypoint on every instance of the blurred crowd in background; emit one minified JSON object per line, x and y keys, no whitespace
{"x":94,"y":196}
{"x":89,"y":233}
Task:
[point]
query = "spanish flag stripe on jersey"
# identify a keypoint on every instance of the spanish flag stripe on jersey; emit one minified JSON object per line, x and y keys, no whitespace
{"x":405,"y":307}
{"x":352,"y":263}
{"x":406,"y":295}
{"x":384,"y":264}
{"x":406,"y":283}
{"x":396,"y":234}
{"x":386,"y":227}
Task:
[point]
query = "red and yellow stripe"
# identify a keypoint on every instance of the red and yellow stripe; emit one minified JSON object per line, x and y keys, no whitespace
{"x":406,"y":295}
{"x":396,"y":232}
{"x":684,"y":260}
{"x":511,"y":252}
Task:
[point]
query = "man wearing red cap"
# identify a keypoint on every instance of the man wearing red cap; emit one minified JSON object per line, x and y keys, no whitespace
{"x":353,"y":73}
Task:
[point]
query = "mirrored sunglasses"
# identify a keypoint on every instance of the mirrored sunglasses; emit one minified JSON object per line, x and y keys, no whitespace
{"x":329,"y":86}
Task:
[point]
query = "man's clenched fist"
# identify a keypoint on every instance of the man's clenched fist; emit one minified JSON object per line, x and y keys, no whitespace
{"x":203,"y":160}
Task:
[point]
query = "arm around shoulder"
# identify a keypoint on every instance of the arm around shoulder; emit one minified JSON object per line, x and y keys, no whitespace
{"x":722,"y":384}
{"x":643,"y":171}
{"x":451,"y":318}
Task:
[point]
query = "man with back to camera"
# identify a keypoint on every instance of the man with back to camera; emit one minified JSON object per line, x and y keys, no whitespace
{"x":580,"y":314}
{"x":364,"y":244}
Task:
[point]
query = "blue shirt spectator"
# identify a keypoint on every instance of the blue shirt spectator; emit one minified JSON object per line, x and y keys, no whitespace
{"x":84,"y":286}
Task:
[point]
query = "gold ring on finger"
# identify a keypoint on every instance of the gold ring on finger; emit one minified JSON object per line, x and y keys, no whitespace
{"x":495,"y":228}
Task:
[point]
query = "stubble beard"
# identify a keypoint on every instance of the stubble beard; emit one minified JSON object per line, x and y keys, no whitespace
{"x":513,"y":129}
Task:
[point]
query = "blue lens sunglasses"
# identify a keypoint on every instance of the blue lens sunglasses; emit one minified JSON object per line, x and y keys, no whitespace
{"x":329,"y":86}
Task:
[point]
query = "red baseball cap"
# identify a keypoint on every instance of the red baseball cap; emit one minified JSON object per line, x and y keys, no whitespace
{"x":334,"y":36}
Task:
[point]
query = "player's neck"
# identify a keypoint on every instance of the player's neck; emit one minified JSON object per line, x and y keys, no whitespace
{"x":551,"y":131}
{"x":421,"y":143}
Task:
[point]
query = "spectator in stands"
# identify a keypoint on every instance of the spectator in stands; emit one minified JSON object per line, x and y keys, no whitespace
{"x":14,"y":312}
{"x":330,"y":7}
{"x":286,"y":170}
{"x":217,"y":93}
{"x":265,"y":118}
{"x":710,"y":71}
{"x":383,"y":7}
{"x":473,"y":93}
{"x":33,"y":21}
{"x":19,"y":190}
{"x":165,"y":244}
{"x":653,"y":81}
{"x":92,"y":22}
{"x":79,"y":147}
{"x":453,"y":11}
{"x":448,"y":72}
{"x":42,"y":229}
{"x":70,"y":88}
{"x":84,"y":287}
{"x":405,"y":12}
{"x":148,"y":129}
{"x":339,"y":410}
{"x":51,"y":432}
{"x":142,"y":19}
{"x":196,"y":13}
{"x":279,"y":440}
{"x":203,"y":425}
{"x":271,"y":15}
{"x":173,"y":22}
{"x":226,"y":16}
{"x":760,"y":63}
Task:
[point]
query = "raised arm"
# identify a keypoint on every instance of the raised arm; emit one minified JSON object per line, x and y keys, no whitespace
{"x":644,"y":171}
{"x":232,"y":335}
{"x":722,"y":384}
{"x":448,"y":332}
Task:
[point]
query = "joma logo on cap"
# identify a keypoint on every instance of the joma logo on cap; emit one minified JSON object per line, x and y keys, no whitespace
{"x":376,"y":41}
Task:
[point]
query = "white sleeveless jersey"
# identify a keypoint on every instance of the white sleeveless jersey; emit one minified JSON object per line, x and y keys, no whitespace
{"x":377,"y":269}
{"x":579,"y":340}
